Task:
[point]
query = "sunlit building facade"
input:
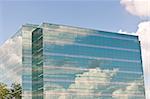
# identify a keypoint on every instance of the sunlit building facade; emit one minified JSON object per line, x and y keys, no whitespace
{"x":64,"y":62}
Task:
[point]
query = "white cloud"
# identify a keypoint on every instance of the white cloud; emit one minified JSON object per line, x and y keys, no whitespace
{"x":87,"y":85}
{"x":59,"y":34}
{"x":121,"y":31}
{"x":91,"y":85}
{"x":53,"y":91}
{"x":125,"y":32}
{"x":128,"y":90}
{"x":11,"y":57}
{"x":142,"y":8}
{"x":148,"y":95}
{"x":137,"y":7}
{"x":144,"y":36}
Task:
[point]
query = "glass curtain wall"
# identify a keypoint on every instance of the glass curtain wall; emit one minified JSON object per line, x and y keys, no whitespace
{"x":27,"y":60}
{"x":89,"y":64}
{"x":64,"y":62}
{"x":37,"y":64}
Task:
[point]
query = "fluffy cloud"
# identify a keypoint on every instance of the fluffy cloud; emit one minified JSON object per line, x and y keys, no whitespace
{"x":148,"y":95}
{"x":130,"y":89}
{"x":121,"y":31}
{"x":144,"y":34}
{"x":142,"y":8}
{"x":62,"y":35}
{"x":91,"y":85}
{"x":87,"y":85}
{"x":137,"y":7}
{"x":53,"y":91}
{"x":10,"y":57}
{"x":124,"y":32}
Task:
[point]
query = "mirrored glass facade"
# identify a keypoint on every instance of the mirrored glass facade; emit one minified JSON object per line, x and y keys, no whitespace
{"x":65,"y":62}
{"x":27,"y":60}
{"x":11,"y":60}
{"x":88,"y":64}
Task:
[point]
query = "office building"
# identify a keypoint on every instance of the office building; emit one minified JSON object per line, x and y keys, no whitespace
{"x":65,"y":62}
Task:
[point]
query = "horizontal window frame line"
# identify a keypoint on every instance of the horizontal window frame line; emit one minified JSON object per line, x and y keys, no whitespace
{"x":91,"y":94}
{"x":90,"y":34}
{"x":41,"y":88}
{"x":92,"y":46}
{"x":85,"y":69}
{"x":46,"y":75}
{"x":27,"y":81}
{"x":27,"y":56}
{"x":49,"y":86}
{"x":90,"y":57}
{"x":72,"y":81}
{"x":37,"y":39}
{"x":27,"y":95}
{"x":101,"y":82}
{"x":120,"y":78}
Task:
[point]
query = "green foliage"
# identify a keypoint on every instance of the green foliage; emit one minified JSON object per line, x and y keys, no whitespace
{"x":3,"y":91}
{"x":16,"y":90}
{"x":8,"y":93}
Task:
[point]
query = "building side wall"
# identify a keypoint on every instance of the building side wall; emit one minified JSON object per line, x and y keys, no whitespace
{"x":27,"y":61}
{"x":37,"y":64}
{"x":63,"y":62}
{"x":88,"y":64}
{"x":11,"y":60}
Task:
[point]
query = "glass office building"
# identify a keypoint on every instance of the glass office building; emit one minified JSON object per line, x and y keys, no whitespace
{"x":64,"y":62}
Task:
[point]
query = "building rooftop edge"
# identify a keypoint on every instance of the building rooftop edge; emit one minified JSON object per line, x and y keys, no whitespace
{"x":38,"y":26}
{"x":131,"y":34}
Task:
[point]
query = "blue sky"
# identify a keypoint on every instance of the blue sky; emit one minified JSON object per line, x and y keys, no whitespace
{"x":98,"y":14}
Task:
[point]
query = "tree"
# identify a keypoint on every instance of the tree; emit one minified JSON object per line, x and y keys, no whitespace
{"x":3,"y":91}
{"x":16,"y":91}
